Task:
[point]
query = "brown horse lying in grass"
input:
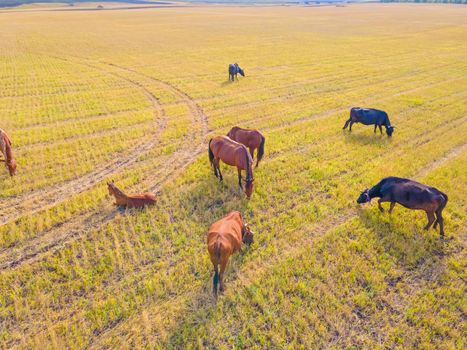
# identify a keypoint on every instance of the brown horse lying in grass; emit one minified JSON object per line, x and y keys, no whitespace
{"x":5,"y":148}
{"x":251,"y":139}
{"x":410,"y":194}
{"x":234,"y":154}
{"x":225,"y":237}
{"x":136,"y":201}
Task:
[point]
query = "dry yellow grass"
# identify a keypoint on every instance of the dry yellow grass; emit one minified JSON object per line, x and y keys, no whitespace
{"x":134,"y":96}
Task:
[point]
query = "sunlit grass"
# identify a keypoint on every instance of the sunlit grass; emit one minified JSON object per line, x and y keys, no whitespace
{"x":322,"y":271}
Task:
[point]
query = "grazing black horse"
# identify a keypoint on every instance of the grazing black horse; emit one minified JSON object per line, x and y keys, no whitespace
{"x":370,"y":116}
{"x":234,"y":69}
{"x":410,"y":194}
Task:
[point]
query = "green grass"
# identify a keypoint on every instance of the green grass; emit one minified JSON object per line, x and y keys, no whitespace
{"x":323,"y":272}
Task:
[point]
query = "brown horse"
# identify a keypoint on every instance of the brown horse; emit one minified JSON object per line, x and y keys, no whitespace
{"x":234,"y":154}
{"x":136,"y":201}
{"x":5,"y":148}
{"x":225,"y":237}
{"x":251,"y":139}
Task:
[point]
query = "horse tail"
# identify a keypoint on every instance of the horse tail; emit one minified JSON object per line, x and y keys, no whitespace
{"x":211,"y":155}
{"x":442,"y":205}
{"x":215,"y":280}
{"x":261,"y":148}
{"x":217,"y":252}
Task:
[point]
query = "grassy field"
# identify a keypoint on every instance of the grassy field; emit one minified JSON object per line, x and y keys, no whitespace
{"x":135,"y":95}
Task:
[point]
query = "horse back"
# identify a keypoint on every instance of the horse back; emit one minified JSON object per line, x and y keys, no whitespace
{"x":228,"y":150}
{"x":413,"y":195}
{"x":247,"y":137}
{"x":226,"y":233}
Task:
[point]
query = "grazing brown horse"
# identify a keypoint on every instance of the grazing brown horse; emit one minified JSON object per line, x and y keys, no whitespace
{"x":234,"y":154}
{"x":136,"y":201}
{"x":251,"y":139}
{"x":225,"y":237}
{"x":410,"y":194}
{"x":5,"y":148}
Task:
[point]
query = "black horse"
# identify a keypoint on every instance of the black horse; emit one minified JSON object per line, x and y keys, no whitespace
{"x":410,"y":194}
{"x":234,"y":69}
{"x":370,"y":116}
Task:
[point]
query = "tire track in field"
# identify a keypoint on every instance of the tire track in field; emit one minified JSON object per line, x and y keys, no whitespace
{"x":30,"y":203}
{"x":336,"y":110}
{"x":330,"y":112}
{"x":55,"y":238}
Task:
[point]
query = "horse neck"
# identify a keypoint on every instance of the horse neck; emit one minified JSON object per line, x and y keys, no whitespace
{"x":375,"y":191}
{"x":118,"y":193}
{"x":249,"y":172}
{"x":9,"y":153}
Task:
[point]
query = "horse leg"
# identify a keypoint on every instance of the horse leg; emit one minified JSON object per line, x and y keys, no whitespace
{"x":440,"y":221}
{"x":346,"y":123}
{"x":218,"y":164}
{"x":381,"y":200}
{"x":350,"y":126}
{"x":214,"y":166}
{"x":240,"y":177}
{"x":375,"y":128}
{"x":431,"y":219}
{"x":391,"y":207}
{"x":380,"y":129}
{"x":224,"y":260}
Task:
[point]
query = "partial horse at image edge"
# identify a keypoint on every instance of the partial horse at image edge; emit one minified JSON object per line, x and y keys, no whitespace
{"x":6,"y":149}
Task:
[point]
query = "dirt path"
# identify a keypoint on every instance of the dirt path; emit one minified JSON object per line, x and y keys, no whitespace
{"x":54,"y":239}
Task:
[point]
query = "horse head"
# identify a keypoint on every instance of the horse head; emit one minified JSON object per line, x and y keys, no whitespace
{"x":364,"y":197}
{"x":241,"y":71}
{"x":249,"y":187}
{"x":390,"y":130}
{"x":111,"y":187}
{"x":247,"y":234}
{"x":11,"y":165}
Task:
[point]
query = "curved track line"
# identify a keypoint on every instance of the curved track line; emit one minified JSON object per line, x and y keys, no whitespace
{"x":54,"y":239}
{"x":30,"y":203}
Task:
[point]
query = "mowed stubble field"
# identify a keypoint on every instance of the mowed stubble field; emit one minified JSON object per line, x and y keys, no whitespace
{"x":134,"y":96}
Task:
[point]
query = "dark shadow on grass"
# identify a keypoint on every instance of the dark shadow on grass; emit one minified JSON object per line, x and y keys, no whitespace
{"x":420,"y":252}
{"x":365,"y":138}
{"x":225,"y":83}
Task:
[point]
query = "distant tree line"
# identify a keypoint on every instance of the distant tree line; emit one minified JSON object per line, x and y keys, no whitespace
{"x":430,"y":1}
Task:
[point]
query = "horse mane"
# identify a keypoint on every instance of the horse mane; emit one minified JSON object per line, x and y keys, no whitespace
{"x":249,"y":173}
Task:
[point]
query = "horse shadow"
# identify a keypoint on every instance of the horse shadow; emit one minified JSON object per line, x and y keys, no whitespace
{"x":421,"y":252}
{"x":364,"y":138}
{"x":228,"y":82}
